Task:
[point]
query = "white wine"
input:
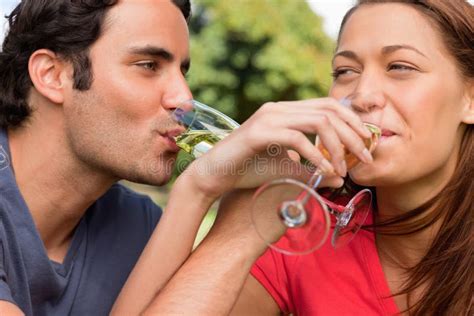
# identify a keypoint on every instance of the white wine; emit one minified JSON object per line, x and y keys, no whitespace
{"x":349,"y":157}
{"x":198,"y":142}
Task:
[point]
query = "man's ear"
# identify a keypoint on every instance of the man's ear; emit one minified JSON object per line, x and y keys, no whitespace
{"x":48,"y":73}
{"x":468,"y":108}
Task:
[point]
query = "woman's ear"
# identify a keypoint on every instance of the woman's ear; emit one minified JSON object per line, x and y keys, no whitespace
{"x":468,"y":108}
{"x":48,"y":73}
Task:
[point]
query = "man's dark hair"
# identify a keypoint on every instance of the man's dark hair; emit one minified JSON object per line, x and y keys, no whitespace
{"x":66,"y":27}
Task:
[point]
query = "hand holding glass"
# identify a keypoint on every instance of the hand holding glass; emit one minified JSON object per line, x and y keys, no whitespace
{"x":302,"y":212}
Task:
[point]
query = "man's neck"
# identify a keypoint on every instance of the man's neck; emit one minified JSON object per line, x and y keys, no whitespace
{"x":57,"y":187}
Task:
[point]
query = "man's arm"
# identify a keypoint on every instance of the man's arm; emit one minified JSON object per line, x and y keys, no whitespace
{"x":229,"y":251}
{"x":174,"y":237}
{"x":212,"y":279}
{"x":213,"y":276}
{"x":10,"y":309}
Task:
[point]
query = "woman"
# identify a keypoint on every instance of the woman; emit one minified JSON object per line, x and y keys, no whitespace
{"x":414,"y":60}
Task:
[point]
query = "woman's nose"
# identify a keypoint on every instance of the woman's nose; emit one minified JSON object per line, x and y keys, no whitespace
{"x":368,"y":92}
{"x":367,"y":101}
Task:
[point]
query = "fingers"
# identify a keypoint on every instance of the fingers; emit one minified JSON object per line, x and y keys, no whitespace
{"x":346,"y":136}
{"x":328,"y":133}
{"x":300,"y":143}
{"x":333,"y":133}
{"x":293,"y":155}
{"x":337,"y":127}
{"x":324,"y":105}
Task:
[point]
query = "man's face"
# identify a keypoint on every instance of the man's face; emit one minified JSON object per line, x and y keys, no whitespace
{"x":120,"y":125}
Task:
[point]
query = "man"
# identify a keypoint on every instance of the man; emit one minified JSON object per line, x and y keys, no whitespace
{"x":85,"y":94}
{"x":85,"y":89}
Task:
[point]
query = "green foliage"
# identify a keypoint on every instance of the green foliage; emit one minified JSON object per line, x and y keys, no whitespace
{"x":248,"y":52}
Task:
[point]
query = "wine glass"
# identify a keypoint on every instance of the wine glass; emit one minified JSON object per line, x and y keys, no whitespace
{"x":204,"y":127}
{"x":305,"y":217}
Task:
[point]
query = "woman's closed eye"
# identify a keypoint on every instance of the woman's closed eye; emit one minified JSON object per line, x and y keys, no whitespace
{"x":342,"y":72}
{"x":401,"y":67}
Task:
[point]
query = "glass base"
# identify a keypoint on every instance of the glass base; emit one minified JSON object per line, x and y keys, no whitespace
{"x":290,"y":217}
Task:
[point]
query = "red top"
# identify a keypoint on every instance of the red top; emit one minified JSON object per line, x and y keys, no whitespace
{"x":344,"y":281}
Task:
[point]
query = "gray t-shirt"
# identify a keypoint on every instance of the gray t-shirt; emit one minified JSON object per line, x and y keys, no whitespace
{"x":106,"y":244}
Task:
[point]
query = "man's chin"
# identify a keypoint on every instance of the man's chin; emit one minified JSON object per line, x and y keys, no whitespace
{"x":155,"y":180}
{"x":156,"y":172}
{"x":150,"y":178}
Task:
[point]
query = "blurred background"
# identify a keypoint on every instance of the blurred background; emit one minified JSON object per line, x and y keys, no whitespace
{"x":248,"y":52}
{"x":245,"y":53}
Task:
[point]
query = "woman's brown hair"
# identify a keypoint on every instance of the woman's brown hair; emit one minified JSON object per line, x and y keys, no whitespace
{"x":447,"y":267}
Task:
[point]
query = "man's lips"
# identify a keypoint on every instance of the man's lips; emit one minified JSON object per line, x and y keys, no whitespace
{"x":386,"y":134}
{"x":169,"y":137}
{"x":174,"y":132}
{"x":170,"y":141}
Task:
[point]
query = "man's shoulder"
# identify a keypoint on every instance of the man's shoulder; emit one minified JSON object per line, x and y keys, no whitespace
{"x":121,"y":195}
{"x":122,"y":204}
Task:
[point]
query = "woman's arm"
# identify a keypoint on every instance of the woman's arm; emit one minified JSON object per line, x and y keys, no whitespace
{"x":212,"y":279}
{"x":254,"y":300}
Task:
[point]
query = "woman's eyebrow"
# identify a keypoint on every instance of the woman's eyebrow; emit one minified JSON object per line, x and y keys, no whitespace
{"x":348,"y":54}
{"x":392,"y":48}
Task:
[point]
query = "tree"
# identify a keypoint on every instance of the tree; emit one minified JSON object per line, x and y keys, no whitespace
{"x":247,"y":52}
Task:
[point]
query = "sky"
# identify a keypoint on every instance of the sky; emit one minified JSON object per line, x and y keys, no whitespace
{"x":5,"y":7}
{"x":332,"y":12}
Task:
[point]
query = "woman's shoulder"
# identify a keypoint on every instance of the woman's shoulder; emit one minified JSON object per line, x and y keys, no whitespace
{"x":328,"y":280}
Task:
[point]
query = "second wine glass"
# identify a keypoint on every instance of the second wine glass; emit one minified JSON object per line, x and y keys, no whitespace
{"x":304,"y":216}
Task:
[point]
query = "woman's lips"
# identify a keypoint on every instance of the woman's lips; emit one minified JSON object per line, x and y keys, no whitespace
{"x":386,"y":133}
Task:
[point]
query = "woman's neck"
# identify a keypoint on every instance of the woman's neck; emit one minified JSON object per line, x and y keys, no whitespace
{"x":402,"y":247}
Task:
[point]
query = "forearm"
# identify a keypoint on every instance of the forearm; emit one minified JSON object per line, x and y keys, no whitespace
{"x":169,"y":246}
{"x":210,"y":281}
{"x":212,"y":278}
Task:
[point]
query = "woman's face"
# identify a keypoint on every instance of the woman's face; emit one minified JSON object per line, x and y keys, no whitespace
{"x":391,"y":57}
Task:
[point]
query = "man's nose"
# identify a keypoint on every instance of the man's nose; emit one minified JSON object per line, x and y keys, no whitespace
{"x":176,"y":93}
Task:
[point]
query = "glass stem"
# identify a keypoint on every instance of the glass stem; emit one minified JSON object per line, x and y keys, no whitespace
{"x":315,"y":179}
{"x":313,"y":183}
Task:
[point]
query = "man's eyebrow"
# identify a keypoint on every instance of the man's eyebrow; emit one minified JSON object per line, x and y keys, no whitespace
{"x":152,"y":51}
{"x":392,"y":48}
{"x":159,"y":52}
